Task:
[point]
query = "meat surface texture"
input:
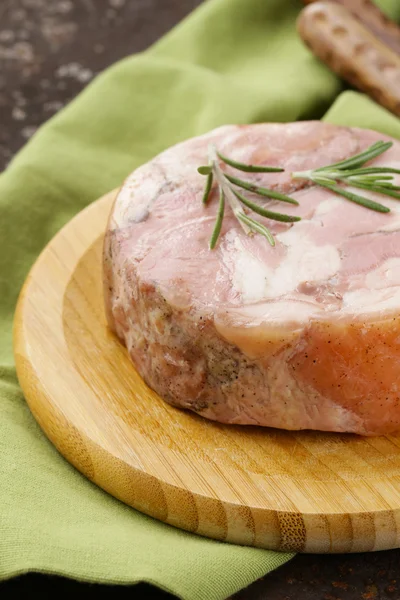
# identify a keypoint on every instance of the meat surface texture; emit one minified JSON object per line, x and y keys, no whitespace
{"x":305,"y":335}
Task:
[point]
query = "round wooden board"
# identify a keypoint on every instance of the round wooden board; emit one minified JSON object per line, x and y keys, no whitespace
{"x":303,"y":491}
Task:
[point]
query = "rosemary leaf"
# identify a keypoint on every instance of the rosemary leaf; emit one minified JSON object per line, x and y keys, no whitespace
{"x":248,"y":168}
{"x":373,"y":170}
{"x":378,"y":189}
{"x":353,"y":197}
{"x":390,"y":186}
{"x":257,"y":227}
{"x":265,"y":213}
{"x":358,"y":160}
{"x":261,"y":191}
{"x":207,"y":188}
{"x":367,"y":178}
{"x":205,"y":170}
{"x":218,"y":222}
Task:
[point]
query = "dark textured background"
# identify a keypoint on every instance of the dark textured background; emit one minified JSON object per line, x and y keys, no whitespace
{"x":49,"y":50}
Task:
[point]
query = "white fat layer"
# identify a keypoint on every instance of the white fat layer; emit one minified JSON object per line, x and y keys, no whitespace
{"x":380,"y":292}
{"x":287,"y":312}
{"x":371,"y":301}
{"x":304,"y":261}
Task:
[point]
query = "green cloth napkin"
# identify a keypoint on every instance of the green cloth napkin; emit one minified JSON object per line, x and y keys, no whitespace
{"x":231,"y":61}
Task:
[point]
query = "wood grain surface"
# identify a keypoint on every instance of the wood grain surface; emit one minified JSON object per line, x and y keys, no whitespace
{"x":303,"y":491}
{"x":352,"y":51}
{"x":368,"y":13}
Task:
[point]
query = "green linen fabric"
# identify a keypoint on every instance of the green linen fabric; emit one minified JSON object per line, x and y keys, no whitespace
{"x":231,"y":61}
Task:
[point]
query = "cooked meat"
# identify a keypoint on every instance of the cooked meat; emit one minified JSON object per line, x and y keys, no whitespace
{"x":305,"y":335}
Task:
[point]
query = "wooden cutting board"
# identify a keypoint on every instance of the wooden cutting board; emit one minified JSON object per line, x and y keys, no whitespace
{"x":305,"y":491}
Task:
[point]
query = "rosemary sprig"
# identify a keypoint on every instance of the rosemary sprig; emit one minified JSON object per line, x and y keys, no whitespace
{"x":236,"y":200}
{"x":352,"y":173}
